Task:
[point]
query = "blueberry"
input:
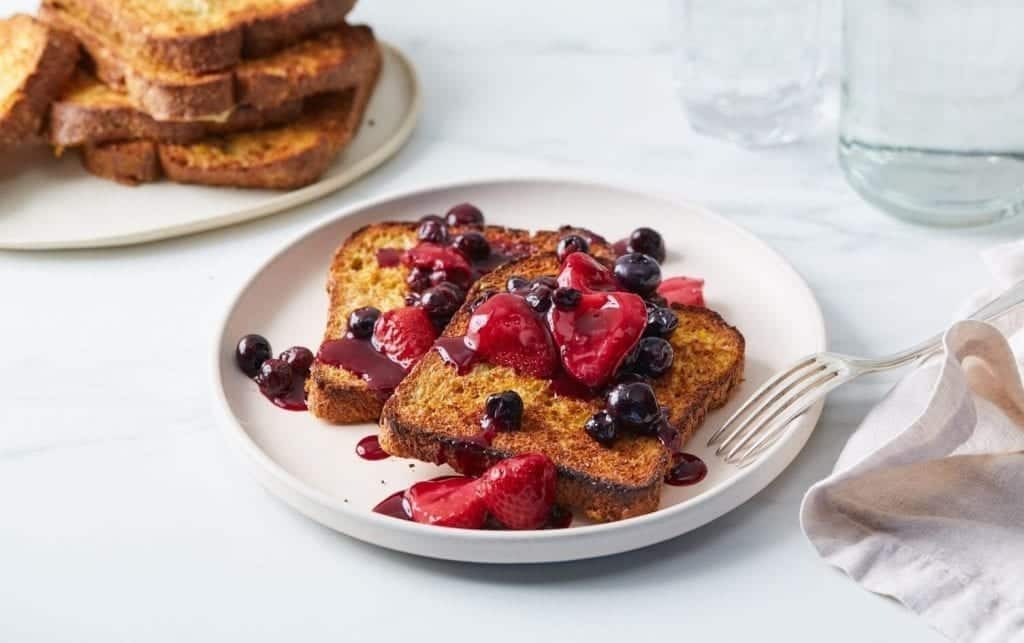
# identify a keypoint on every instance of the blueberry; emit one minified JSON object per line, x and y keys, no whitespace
{"x":465,"y":214}
{"x":661,"y":322}
{"x":539,"y":298}
{"x":571,"y":243}
{"x":566,"y":298}
{"x":504,"y":410}
{"x":480,"y":299}
{"x":637,"y":273}
{"x":361,"y":321}
{"x":299,"y":358}
{"x":654,"y":356}
{"x":439,"y":302}
{"x":412,"y":299}
{"x":433,"y":229}
{"x":275,"y":377}
{"x":648,"y":242}
{"x":633,"y":406}
{"x":251,"y":352}
{"x":602,"y":428}
{"x":418,"y":279}
{"x":472,"y":244}
{"x":516,"y":283}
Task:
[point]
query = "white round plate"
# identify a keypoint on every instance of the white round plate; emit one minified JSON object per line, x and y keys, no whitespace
{"x":313,"y":467}
{"x":48,"y":203}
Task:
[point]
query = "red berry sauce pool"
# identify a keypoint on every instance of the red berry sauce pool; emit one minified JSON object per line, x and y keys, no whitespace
{"x":369,"y":449}
{"x":687,"y":469}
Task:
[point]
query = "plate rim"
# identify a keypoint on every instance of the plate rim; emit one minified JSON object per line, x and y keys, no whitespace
{"x":295,"y":492}
{"x":275,"y":204}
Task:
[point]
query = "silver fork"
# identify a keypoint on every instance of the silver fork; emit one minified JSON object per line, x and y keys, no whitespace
{"x":763,"y":418}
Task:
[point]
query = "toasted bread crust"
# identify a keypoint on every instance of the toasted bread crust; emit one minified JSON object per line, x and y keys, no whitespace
{"x":37,"y":62}
{"x":217,"y":39}
{"x":90,"y":112}
{"x":355,"y":280}
{"x":129,"y":162}
{"x":434,"y":411}
{"x":329,"y":61}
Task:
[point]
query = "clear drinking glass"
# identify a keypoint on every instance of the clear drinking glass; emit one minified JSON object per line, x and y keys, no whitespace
{"x":932,"y":107}
{"x":750,"y":71}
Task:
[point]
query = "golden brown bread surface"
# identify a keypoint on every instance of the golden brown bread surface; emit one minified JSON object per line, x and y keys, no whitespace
{"x":202,"y":35}
{"x":328,"y":61}
{"x":355,"y":280}
{"x":35,"y":63}
{"x":282,"y":157}
{"x":127,"y":162}
{"x":89,"y":112}
{"x":434,"y":410}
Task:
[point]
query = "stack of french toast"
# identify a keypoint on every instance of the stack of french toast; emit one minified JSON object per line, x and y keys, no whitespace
{"x":244,"y":93}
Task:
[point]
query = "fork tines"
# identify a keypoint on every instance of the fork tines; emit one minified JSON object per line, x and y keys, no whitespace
{"x":764,"y":417}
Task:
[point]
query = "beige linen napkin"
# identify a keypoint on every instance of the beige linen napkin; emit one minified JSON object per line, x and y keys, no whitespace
{"x":926,"y":501}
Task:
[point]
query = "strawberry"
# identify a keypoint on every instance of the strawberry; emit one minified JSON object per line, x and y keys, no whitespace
{"x":519,"y":491}
{"x":504,"y":330}
{"x":687,"y":291}
{"x":432,"y":257}
{"x":598,"y":334}
{"x":404,"y":335}
{"x":584,"y":273}
{"x":450,"y":502}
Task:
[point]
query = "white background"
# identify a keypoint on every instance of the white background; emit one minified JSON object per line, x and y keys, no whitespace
{"x":125,"y":517}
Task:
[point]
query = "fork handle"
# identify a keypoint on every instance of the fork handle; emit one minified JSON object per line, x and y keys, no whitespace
{"x":1004,"y":303}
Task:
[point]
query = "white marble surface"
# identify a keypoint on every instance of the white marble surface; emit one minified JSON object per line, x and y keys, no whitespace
{"x":125,"y":517}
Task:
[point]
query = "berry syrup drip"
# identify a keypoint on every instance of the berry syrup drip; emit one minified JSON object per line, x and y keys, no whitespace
{"x":687,"y":469}
{"x":564,"y":385}
{"x":389,"y":257}
{"x":369,"y":449}
{"x":455,"y":352}
{"x":470,"y":456}
{"x":358,"y":356}
{"x":294,"y":399}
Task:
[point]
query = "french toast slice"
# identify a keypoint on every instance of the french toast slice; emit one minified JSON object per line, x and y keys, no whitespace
{"x":283,"y":157}
{"x":206,"y":35}
{"x":90,"y":112}
{"x":355,"y":279}
{"x":126,"y":162}
{"x":35,"y":63}
{"x":328,"y":61}
{"x":435,"y":413}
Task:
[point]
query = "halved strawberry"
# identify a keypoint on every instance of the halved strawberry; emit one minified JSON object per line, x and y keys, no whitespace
{"x":688,"y":291}
{"x":583,"y":272}
{"x":504,"y":330}
{"x":451,"y":502}
{"x":598,"y":334}
{"x":404,"y":335}
{"x":437,"y":258}
{"x":520,"y":491}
